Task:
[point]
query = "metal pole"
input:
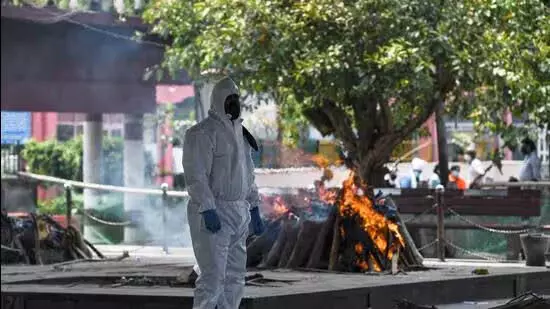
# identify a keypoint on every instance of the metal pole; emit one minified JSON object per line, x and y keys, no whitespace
{"x":164,"y":188}
{"x":68,"y":203}
{"x":442,"y":144}
{"x":162,"y":155}
{"x":439,"y":192}
{"x":19,"y":161}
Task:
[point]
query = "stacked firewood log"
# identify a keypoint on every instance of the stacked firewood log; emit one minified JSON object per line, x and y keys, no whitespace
{"x":38,"y":239}
{"x":335,"y":242}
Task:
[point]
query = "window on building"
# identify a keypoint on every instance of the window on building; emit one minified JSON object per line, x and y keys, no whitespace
{"x":64,"y":132}
{"x":71,"y":125}
{"x":116,"y":133}
{"x":67,"y":132}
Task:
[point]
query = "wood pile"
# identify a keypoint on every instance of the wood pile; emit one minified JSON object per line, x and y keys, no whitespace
{"x":336,"y":242}
{"x":38,"y":239}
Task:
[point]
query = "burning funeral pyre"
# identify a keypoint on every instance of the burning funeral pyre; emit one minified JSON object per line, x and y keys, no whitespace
{"x":38,"y":239}
{"x":334,"y":229}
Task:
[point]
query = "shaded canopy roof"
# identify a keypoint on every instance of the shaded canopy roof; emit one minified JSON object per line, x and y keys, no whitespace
{"x":84,"y":62}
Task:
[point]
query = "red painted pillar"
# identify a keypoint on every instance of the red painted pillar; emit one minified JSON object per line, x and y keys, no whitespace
{"x":44,"y":125}
{"x":165,"y":157}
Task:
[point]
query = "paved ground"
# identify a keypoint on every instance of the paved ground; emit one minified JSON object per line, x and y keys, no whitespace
{"x":150,"y":261}
{"x":449,"y":282}
{"x":149,"y":253}
{"x":300,"y":281}
{"x":185,"y":256}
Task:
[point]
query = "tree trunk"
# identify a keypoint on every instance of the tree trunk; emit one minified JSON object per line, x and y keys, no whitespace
{"x":372,"y":172}
{"x":377,"y":178}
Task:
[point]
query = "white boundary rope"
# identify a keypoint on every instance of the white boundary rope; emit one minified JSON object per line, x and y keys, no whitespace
{"x":79,"y":184}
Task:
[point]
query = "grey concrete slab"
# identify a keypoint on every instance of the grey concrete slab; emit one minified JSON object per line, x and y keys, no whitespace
{"x":447,"y":284}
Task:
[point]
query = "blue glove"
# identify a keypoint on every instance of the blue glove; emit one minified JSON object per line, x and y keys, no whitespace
{"x":257,"y":223}
{"x":211,"y":220}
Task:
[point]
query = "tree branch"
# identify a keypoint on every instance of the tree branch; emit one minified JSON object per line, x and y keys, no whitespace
{"x":385,"y":117}
{"x":341,"y":123}
{"x":427,"y":110}
{"x":364,"y":110}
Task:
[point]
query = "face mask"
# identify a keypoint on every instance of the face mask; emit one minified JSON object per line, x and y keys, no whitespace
{"x":468,"y":158}
{"x":455,"y":173}
{"x":232,"y":107}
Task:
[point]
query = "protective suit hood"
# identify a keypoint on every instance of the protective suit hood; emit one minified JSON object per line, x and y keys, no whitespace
{"x":418,"y":164}
{"x":222,"y":89}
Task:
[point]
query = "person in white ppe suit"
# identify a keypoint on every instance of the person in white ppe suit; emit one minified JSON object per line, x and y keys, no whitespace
{"x":219,"y":174}
{"x":412,"y":179}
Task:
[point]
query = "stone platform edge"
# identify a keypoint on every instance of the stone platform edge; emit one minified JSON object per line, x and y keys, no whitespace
{"x":441,"y":291}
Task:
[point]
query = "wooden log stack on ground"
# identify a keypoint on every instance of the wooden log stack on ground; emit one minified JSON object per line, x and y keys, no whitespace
{"x":38,"y":239}
{"x":334,"y":242}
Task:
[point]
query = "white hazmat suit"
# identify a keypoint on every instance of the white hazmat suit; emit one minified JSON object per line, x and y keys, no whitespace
{"x":219,"y":173}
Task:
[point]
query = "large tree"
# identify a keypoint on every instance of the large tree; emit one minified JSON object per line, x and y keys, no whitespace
{"x":371,"y":72}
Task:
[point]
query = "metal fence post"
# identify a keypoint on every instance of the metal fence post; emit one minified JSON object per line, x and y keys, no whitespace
{"x":439,"y":193}
{"x":19,"y":160}
{"x":164,"y":188}
{"x":68,"y":203}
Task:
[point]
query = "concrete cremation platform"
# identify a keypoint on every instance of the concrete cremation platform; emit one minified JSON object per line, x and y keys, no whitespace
{"x":93,"y":285}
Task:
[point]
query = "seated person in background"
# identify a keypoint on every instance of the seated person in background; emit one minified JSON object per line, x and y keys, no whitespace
{"x":455,"y":181}
{"x":435,"y":180}
{"x":412,"y":180}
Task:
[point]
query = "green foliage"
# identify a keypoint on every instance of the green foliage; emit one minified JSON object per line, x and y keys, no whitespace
{"x":370,"y":72}
{"x":292,"y":121}
{"x":112,"y":166}
{"x":64,"y":159}
{"x":128,"y":6}
{"x":58,"y":206}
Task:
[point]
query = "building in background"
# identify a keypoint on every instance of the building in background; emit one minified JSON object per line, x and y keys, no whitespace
{"x":41,"y":126}
{"x":262,"y":123}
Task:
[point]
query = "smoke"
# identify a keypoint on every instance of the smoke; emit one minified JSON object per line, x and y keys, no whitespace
{"x":17,"y":196}
{"x":318,"y":211}
{"x":104,"y":58}
{"x":166,"y":223}
{"x":304,"y":204}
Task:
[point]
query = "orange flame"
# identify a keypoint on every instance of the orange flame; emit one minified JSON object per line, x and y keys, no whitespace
{"x":374,"y":223}
{"x":325,"y":195}
{"x":321,"y":161}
